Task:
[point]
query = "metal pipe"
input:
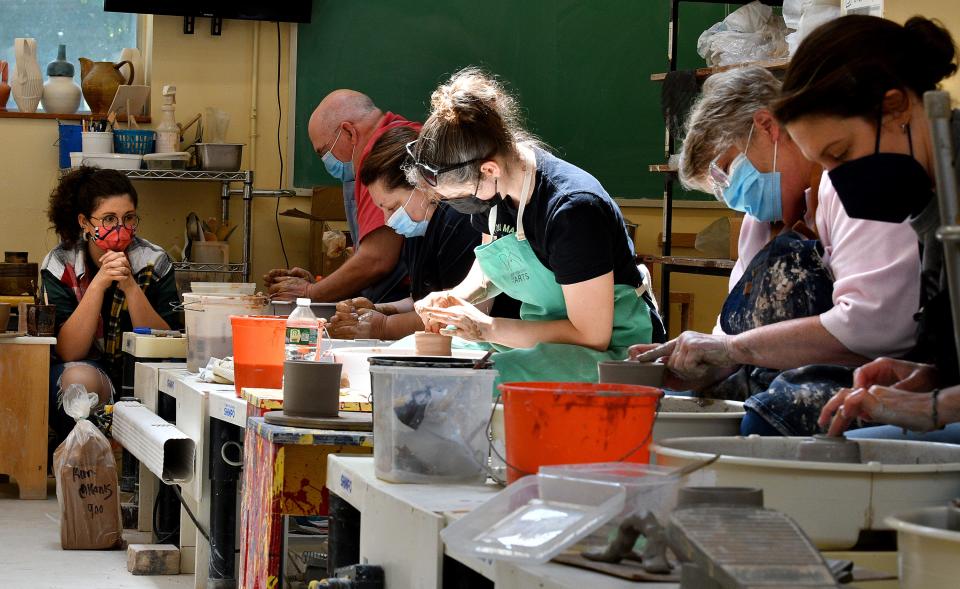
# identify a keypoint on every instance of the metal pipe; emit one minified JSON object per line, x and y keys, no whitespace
{"x":254,"y":88}
{"x":937,"y":105}
{"x":247,"y":220}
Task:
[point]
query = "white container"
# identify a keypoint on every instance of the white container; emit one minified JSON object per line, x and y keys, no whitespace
{"x":648,"y":487}
{"x":687,"y":417}
{"x":207,"y":318}
{"x":832,"y":502}
{"x":534,"y":519}
{"x":107,"y":161}
{"x":97,"y":142}
{"x":928,"y":549}
{"x":356,"y":368}
{"x":430,"y":422}
{"x":224,"y":288}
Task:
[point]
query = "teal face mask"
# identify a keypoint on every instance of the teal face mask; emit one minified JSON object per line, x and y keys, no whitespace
{"x":401,"y":222}
{"x":342,"y":171}
{"x":748,"y":190}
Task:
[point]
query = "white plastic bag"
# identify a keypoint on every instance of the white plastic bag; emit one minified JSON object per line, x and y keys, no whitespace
{"x":86,"y":476}
{"x":814,"y":14}
{"x":750,"y":33}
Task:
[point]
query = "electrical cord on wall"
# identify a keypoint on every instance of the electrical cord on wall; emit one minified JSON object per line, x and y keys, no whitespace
{"x":276,"y":212}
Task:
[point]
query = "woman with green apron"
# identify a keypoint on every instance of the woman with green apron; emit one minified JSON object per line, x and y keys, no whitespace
{"x":555,"y":241}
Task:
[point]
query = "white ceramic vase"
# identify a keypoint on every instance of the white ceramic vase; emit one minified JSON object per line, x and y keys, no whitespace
{"x":132,"y":55}
{"x":61,"y":95}
{"x":27,"y":80}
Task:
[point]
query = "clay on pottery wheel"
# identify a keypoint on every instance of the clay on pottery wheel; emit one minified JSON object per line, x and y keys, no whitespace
{"x":100,"y":80}
{"x":629,"y":372}
{"x":821,"y":448}
{"x":432,"y":344}
{"x":311,"y":389}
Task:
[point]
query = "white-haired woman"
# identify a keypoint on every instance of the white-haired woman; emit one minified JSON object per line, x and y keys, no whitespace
{"x":814,"y":293}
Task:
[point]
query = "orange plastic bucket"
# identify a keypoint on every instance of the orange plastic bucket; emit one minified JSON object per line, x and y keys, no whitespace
{"x":576,"y":423}
{"x":258,"y":350}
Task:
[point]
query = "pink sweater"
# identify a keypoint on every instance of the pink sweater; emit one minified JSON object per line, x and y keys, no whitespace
{"x":876,"y":269}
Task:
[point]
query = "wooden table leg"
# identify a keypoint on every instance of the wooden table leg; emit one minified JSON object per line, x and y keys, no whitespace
{"x":24,"y":378}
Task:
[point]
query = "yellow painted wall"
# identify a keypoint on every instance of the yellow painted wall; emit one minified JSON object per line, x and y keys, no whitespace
{"x":208,"y":71}
{"x":946,"y":11}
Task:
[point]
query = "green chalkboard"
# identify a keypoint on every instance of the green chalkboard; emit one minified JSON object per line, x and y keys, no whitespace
{"x":580,"y":68}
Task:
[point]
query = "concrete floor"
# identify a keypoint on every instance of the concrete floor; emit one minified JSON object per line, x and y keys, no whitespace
{"x":31,"y":557}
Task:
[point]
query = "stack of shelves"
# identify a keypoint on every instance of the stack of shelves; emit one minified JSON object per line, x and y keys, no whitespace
{"x":670,"y":263}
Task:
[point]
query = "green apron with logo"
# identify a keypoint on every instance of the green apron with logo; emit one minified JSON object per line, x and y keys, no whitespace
{"x":510,"y":263}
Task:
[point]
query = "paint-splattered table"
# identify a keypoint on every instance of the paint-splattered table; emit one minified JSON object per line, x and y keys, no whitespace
{"x":285,"y":473}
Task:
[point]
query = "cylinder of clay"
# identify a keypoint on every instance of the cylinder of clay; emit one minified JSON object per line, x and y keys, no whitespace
{"x":311,"y":389}
{"x":432,"y":344}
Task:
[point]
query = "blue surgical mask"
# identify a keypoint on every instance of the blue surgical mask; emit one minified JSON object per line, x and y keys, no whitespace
{"x":342,"y":171}
{"x":401,"y":222}
{"x":753,"y":192}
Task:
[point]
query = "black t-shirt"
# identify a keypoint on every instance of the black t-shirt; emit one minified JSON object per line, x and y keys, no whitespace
{"x":572,"y":224}
{"x":442,"y":258}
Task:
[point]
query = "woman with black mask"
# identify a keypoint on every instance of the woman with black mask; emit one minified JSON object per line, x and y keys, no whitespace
{"x":852,"y":100}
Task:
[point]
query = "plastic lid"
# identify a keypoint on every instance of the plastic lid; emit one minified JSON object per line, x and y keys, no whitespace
{"x":142,"y":330}
{"x":303,"y":302}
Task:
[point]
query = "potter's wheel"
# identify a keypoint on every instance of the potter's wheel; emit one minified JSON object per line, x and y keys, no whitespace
{"x":832,"y":501}
{"x":682,"y":417}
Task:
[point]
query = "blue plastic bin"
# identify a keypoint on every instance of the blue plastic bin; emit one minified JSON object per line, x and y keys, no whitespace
{"x":69,"y":141}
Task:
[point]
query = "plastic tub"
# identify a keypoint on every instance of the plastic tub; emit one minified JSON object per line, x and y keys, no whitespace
{"x":174,"y":160}
{"x":107,"y":161}
{"x":258,"y":350}
{"x":356,"y":366}
{"x":575,"y":423}
{"x":224,"y":288}
{"x":207,"y":319}
{"x":534,"y":519}
{"x":430,"y":419}
{"x":928,"y":545}
{"x":687,"y":417}
{"x":648,"y":487}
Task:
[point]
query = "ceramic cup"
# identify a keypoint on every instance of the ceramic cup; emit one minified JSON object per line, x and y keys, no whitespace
{"x":311,"y":389}
{"x":432,"y":344}
{"x":642,"y":373}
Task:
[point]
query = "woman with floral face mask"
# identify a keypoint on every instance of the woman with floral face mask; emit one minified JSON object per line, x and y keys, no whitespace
{"x":103,"y":280}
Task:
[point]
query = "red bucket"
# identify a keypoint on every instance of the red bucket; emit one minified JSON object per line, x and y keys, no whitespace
{"x":576,"y":423}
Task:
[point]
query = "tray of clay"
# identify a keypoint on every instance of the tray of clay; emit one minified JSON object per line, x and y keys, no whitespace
{"x":831,"y":492}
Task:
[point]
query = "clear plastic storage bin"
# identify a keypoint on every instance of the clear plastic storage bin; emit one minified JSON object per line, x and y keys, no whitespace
{"x":430,"y":419}
{"x":534,"y":519}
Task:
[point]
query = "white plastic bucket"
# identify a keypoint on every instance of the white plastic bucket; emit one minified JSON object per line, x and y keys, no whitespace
{"x":96,"y":142}
{"x":430,"y":423}
{"x":207,"y":317}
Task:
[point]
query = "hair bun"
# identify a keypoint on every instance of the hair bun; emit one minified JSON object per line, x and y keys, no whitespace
{"x":934,"y":53}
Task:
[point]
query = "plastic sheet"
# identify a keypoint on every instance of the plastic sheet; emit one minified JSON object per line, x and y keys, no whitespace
{"x":750,"y":33}
{"x":86,"y":474}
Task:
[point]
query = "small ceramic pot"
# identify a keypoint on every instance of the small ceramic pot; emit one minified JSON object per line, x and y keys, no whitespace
{"x":311,"y":389}
{"x":629,"y":372}
{"x":432,"y":344}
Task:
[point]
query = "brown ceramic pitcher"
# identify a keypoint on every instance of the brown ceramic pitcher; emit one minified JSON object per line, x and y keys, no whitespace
{"x":100,"y":80}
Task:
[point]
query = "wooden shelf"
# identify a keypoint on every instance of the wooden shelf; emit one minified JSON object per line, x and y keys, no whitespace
{"x":688,"y":262}
{"x":15,"y":114}
{"x":702,"y":73}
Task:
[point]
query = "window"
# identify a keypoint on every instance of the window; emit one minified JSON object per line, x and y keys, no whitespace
{"x":81,"y":25}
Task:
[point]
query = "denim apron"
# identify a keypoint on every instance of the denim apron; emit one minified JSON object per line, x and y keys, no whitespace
{"x":787,"y":279}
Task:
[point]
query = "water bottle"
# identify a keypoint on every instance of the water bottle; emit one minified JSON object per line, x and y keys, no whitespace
{"x":302,"y":333}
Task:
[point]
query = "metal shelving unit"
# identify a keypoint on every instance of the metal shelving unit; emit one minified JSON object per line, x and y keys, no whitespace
{"x":225,"y":179}
{"x":688,"y":265}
